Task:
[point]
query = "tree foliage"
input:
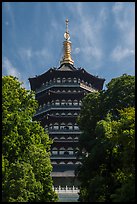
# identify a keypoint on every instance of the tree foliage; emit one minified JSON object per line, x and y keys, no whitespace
{"x":26,"y":165}
{"x":107,"y":173}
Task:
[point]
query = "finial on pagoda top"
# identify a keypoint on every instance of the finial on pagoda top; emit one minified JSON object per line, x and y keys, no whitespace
{"x":67,"y":47}
{"x":67,"y":25}
{"x":66,"y":34}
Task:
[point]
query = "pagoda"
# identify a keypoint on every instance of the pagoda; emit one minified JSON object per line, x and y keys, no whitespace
{"x":59,"y":92}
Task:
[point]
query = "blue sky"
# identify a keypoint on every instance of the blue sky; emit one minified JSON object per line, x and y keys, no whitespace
{"x":102,"y":36}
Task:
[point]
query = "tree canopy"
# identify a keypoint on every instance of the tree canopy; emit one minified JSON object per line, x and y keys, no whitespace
{"x":26,"y":165}
{"x":107,"y":120}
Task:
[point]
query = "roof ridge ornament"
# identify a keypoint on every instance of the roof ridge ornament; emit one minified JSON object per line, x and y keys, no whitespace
{"x":67,"y":47}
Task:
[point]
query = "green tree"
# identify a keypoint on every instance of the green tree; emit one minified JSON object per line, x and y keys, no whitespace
{"x":120,"y":93}
{"x":108,"y":141}
{"x":90,"y":104}
{"x":26,"y":165}
{"x":124,"y":149}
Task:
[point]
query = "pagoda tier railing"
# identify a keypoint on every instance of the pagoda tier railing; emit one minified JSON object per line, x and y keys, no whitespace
{"x":66,"y":189}
{"x":56,"y":107}
{"x":62,"y":116}
{"x":88,"y":88}
{"x":67,"y":85}
{"x":45,"y":87}
{"x":63,"y":157}
{"x":64,"y":132}
{"x":65,"y":141}
{"x":66,"y":92}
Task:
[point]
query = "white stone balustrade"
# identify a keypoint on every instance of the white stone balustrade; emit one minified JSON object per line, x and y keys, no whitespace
{"x":66,"y":189}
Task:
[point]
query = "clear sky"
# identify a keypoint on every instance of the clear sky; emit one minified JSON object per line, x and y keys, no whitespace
{"x":102,"y":36}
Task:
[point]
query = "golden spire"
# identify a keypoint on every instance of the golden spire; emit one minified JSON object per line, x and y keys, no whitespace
{"x":67,"y":47}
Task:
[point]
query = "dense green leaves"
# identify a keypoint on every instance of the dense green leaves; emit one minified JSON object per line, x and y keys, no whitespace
{"x":87,"y":121}
{"x":107,"y":173}
{"x":26,"y":165}
{"x":120,"y":94}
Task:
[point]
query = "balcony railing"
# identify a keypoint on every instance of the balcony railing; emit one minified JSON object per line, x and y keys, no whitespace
{"x":63,"y":131}
{"x":88,"y":88}
{"x":65,"y":141}
{"x":62,"y":156}
{"x":66,"y":189}
{"x":45,"y":87}
{"x":67,"y":84}
{"x":56,"y":107}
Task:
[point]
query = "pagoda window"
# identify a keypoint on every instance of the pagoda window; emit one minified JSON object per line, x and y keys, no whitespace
{"x":46,"y":127}
{"x":54,"y":151}
{"x":70,"y":150}
{"x":76,"y":127}
{"x":75,"y":102}
{"x":74,"y":91}
{"x":69,"y":138}
{"x":57,"y":114}
{"x":64,"y":80}
{"x":66,"y":153}
{"x":61,"y":162}
{"x":58,"y":80}
{"x":61,"y":150}
{"x":57,"y":102}
{"x":47,"y":83}
{"x":50,"y":81}
{"x":63,"y":102}
{"x":70,"y":162}
{"x":62,"y":125}
{"x":54,"y":162}
{"x":76,"y":150}
{"x":80,"y":102}
{"x":78,"y":80}
{"x":69,"y":114}
{"x":58,"y":90}
{"x":40,"y":107}
{"x":55,"y":138}
{"x":48,"y":103}
{"x":75,"y":80}
{"x":78,"y":162}
{"x":62,"y":138}
{"x":75,"y":138}
{"x":43,"y":84}
{"x":69,"y":102}
{"x":56,"y":126}
{"x":75,"y":113}
{"x":54,"y":80}
{"x":70,"y":126}
{"x":50,"y":126}
{"x":66,"y":128}
{"x":52,"y":102}
{"x":63,"y":114}
{"x":69,"y":80}
{"x":69,"y":90}
{"x":63,"y":91}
